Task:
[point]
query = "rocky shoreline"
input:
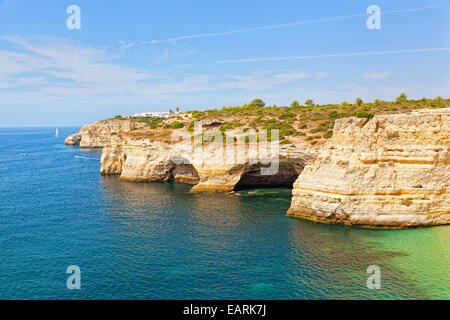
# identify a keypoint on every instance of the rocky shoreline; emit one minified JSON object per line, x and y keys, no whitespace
{"x":391,"y":171}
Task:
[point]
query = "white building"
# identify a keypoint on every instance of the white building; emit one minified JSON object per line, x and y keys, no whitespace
{"x":151,"y":115}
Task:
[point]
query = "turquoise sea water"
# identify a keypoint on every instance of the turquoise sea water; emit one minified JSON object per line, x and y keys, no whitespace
{"x":159,"y":241}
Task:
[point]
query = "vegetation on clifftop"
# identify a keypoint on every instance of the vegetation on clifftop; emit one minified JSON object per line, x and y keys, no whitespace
{"x":308,"y":123}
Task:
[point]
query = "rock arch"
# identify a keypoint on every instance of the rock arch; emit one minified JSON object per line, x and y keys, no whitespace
{"x":183,"y":171}
{"x":285,"y":176}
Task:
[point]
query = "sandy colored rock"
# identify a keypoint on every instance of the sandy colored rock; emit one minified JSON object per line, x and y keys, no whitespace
{"x":100,"y":134}
{"x":391,"y":171}
{"x":207,"y":168}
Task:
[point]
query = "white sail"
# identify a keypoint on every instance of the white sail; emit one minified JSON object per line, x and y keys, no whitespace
{"x":57,"y":132}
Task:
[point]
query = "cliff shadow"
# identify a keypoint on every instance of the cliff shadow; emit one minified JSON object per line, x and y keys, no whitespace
{"x":285,"y":177}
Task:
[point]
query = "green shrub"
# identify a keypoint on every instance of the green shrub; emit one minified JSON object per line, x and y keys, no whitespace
{"x":287,"y":115}
{"x":318,"y":129}
{"x":393,"y":135}
{"x":210,"y":136}
{"x":333,"y":115}
{"x":226,"y":126}
{"x":401,"y":99}
{"x":176,"y":125}
{"x":153,"y":123}
{"x":344,"y":104}
{"x":364,"y":114}
{"x":248,"y":138}
{"x":230,"y":139}
{"x":378,"y":102}
{"x":328,"y":134}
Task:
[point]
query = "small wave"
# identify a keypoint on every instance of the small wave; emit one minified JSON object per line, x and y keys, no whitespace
{"x":86,"y":158}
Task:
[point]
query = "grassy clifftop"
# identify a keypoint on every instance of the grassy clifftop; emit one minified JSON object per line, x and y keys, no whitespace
{"x":297,"y":124}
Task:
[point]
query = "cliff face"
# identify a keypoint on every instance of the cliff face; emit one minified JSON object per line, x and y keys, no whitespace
{"x":390,"y":171}
{"x":207,"y":168}
{"x":102,"y":133}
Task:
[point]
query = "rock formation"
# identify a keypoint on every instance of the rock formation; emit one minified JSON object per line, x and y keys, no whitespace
{"x":392,"y":171}
{"x":102,"y":133}
{"x":207,"y":167}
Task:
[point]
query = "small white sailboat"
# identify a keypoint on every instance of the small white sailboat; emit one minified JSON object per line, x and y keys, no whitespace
{"x":57,"y":133}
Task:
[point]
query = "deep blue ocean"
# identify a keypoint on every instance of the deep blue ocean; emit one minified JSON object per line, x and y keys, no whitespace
{"x":159,"y":241}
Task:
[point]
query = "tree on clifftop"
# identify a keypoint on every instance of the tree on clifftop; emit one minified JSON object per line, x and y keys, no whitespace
{"x":309,"y":102}
{"x":295,"y":104}
{"x":401,"y":98}
{"x":259,"y":103}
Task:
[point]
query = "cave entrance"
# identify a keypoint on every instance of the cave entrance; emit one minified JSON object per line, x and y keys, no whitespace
{"x":184,"y":173}
{"x":284,"y":178}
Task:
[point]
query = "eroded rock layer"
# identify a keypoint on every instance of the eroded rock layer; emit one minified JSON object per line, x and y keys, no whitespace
{"x":391,"y":171}
{"x":208,"y":167}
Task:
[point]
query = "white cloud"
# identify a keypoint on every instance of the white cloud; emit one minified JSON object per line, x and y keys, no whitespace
{"x":321,"y":75}
{"x":377,"y":75}
{"x":289,"y":77}
{"x":125,"y":44}
{"x":53,"y":69}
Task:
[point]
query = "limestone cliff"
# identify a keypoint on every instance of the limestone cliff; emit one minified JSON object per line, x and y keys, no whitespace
{"x":207,"y":168}
{"x":390,"y":171}
{"x":102,"y":133}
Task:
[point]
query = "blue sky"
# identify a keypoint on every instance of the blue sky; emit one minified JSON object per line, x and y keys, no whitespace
{"x":136,"y":56}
